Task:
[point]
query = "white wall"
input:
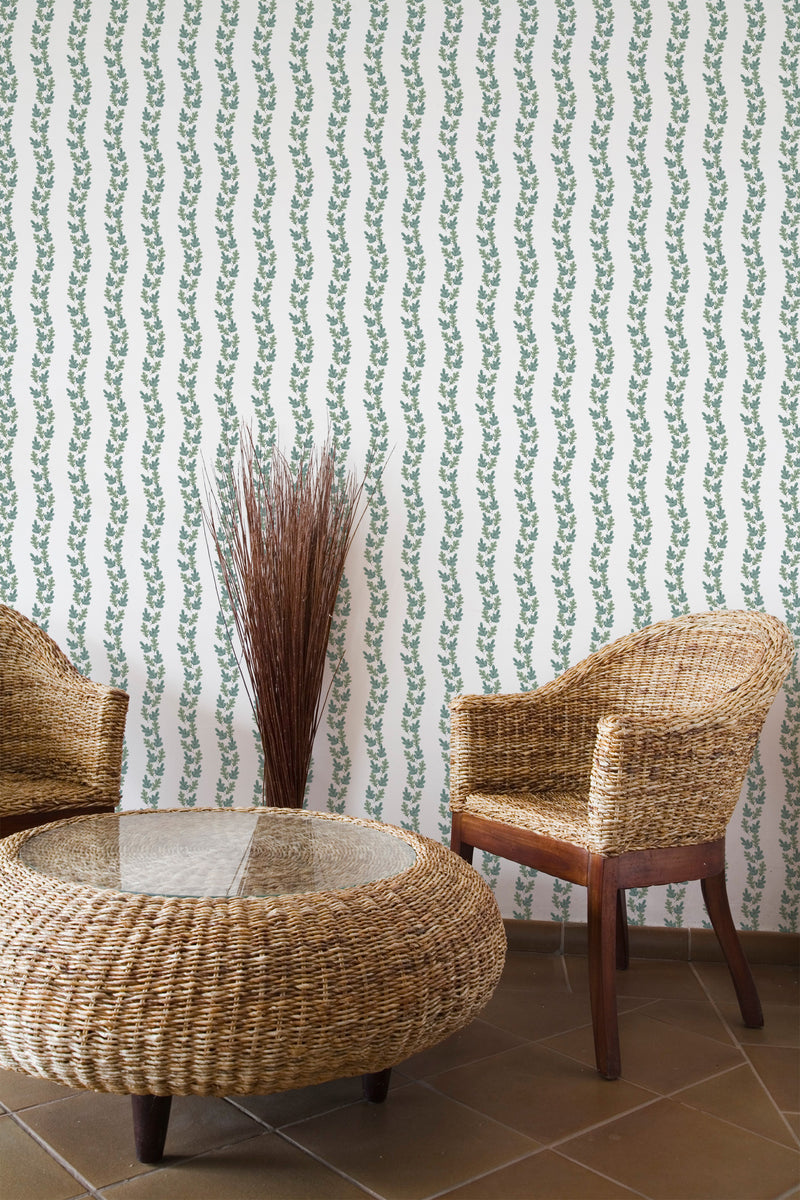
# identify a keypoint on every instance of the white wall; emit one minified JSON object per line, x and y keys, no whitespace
{"x":546,"y":256}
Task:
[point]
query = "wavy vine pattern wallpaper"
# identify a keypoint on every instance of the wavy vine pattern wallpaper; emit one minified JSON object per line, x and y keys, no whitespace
{"x":540,"y":259}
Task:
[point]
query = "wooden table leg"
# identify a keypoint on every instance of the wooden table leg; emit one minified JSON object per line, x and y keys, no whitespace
{"x":150,"y":1121}
{"x":376,"y":1085}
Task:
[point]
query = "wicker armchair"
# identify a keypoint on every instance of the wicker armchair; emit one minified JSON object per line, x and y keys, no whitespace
{"x":60,"y":733}
{"x":624,"y":772}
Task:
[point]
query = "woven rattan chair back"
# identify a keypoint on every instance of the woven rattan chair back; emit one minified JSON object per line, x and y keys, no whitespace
{"x":683,"y":664}
{"x":624,"y":772}
{"x":607,"y":731}
{"x":61,"y":734}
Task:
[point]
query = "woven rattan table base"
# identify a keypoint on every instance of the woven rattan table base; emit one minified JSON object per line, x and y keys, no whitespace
{"x":166,"y":995}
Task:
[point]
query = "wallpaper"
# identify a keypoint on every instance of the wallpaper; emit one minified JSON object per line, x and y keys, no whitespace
{"x":538,"y":260}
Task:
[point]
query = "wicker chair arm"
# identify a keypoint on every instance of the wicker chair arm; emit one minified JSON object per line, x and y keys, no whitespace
{"x":56,"y":723}
{"x":528,"y":741}
{"x":73,"y":728}
{"x":666,"y":781}
{"x":86,"y":728}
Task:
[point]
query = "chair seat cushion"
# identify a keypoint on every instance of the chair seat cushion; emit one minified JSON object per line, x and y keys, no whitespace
{"x":21,"y":793}
{"x":562,"y":815}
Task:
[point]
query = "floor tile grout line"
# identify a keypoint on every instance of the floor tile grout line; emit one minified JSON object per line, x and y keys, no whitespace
{"x":558,"y":1146}
{"x":423,"y":1082}
{"x":790,"y":1194}
{"x":532,"y":1041}
{"x":433,"y":1196}
{"x":512,"y":1162}
{"x":153,"y":1168}
{"x":485,"y":1116}
{"x":59,"y":1158}
{"x":171,"y":1161}
{"x":54,"y":1100}
{"x":522,"y":1158}
{"x":322,"y":1112}
{"x":742,"y":1049}
{"x":654,"y":1098}
{"x":602,"y":1175}
{"x":676,"y":1095}
{"x":246,"y":1112}
{"x":769,"y":1095}
{"x":329,"y":1166}
{"x":280,"y":1131}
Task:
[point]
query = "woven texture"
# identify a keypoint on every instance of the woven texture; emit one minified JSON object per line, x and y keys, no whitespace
{"x":60,"y":734}
{"x":643,"y":744}
{"x":140,"y":994}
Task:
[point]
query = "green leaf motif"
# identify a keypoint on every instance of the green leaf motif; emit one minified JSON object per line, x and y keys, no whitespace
{"x":414,"y":360}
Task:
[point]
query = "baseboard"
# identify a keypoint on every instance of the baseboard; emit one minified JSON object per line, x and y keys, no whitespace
{"x":649,"y":941}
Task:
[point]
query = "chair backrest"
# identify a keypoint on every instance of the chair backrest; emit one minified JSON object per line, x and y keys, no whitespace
{"x":732,"y":659}
{"x":27,"y":653}
{"x":728,"y":664}
{"x":54,"y":721}
{"x":30,"y":663}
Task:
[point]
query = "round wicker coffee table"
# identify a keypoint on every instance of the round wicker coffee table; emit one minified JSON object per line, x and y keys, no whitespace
{"x":233,"y":951}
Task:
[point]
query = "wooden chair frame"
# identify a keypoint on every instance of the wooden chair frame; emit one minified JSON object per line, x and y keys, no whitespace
{"x":606,"y":879}
{"x":624,"y":772}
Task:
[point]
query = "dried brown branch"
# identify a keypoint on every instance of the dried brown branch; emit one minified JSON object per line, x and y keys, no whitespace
{"x":281,"y":535}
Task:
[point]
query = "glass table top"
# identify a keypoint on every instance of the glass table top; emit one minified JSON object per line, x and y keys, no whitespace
{"x":218,"y":853}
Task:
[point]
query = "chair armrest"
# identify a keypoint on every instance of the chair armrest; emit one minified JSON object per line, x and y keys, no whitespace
{"x":530,"y":741}
{"x":55,"y":722}
{"x":666,"y":781}
{"x":85,"y":728}
{"x":66,"y":727}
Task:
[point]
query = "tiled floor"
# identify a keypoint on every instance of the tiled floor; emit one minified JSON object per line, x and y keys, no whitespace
{"x":509,"y":1109}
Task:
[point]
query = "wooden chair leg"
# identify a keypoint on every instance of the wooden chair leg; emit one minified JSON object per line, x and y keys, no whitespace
{"x":462,"y":849}
{"x":602,"y":928}
{"x":375,"y":1085}
{"x":150,"y":1123}
{"x":623,"y":955}
{"x":715,"y":894}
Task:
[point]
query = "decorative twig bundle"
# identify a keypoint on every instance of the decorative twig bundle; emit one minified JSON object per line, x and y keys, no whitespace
{"x":282,"y":533}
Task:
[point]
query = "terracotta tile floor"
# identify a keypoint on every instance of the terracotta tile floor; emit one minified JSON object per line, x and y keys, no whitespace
{"x":509,"y":1109}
